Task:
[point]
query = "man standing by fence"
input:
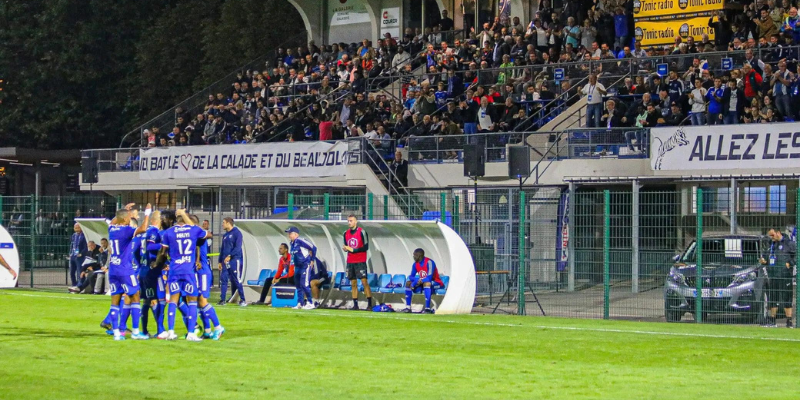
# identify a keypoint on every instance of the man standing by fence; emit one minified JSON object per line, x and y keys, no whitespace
{"x":780,"y":266}
{"x":77,"y":248}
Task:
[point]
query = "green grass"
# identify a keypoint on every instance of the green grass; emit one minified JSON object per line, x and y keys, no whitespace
{"x":52,"y":348}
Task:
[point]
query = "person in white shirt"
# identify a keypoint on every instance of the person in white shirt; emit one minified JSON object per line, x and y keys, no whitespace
{"x":485,"y":116}
{"x":594,"y":92}
{"x":697,"y":99}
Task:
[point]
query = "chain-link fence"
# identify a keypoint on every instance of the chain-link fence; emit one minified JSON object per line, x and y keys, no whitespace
{"x":692,"y":254}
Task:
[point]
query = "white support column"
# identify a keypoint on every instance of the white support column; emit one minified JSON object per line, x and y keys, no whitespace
{"x":571,"y":245}
{"x":635,"y":237}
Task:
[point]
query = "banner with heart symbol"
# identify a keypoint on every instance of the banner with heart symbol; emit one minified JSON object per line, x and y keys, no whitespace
{"x":304,"y":159}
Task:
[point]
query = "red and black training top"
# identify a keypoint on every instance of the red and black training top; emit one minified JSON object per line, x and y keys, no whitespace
{"x":357,"y":239}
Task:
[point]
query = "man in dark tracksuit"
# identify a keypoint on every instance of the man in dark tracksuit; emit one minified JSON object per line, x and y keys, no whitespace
{"x":780,"y":267}
{"x":77,"y":247}
{"x":303,"y":255}
{"x":231,"y":262}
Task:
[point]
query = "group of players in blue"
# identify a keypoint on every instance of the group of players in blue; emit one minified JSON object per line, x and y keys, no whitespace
{"x":138,"y":270}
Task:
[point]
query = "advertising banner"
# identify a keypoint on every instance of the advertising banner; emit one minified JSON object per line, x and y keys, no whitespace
{"x":348,"y":12}
{"x":656,"y":8}
{"x":390,"y":21}
{"x":302,"y":159}
{"x":745,"y":146}
{"x":652,"y":33}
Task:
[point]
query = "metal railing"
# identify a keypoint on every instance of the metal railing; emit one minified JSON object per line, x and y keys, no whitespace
{"x":571,"y":143}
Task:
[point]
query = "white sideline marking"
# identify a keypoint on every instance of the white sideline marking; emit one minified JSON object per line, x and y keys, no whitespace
{"x":397,"y":318}
{"x":52,"y":297}
{"x":543,"y":327}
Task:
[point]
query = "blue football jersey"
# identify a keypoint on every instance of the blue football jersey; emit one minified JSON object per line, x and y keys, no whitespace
{"x":136,"y":251}
{"x":120,"y":240}
{"x":152,"y":236}
{"x":182,"y":242}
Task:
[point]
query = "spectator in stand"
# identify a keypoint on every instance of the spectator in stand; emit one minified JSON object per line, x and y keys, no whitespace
{"x":722,"y":30}
{"x":752,"y":82}
{"x":781,"y":82}
{"x":399,"y":168}
{"x":715,"y":102}
{"x":766,"y":27}
{"x":697,"y":99}
{"x":594,"y":92}
{"x":622,"y":38}
{"x":646,"y":118}
{"x":733,"y":103}
{"x":676,"y":116}
{"x":446,"y":24}
{"x":486,"y":116}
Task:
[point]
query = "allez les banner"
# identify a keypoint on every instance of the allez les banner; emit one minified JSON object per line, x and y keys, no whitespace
{"x":745,"y":146}
{"x":311,"y":159}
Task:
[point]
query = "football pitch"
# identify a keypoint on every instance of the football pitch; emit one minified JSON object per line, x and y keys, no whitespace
{"x":51,"y":347}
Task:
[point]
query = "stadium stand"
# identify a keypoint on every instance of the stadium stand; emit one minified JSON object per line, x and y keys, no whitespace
{"x":424,"y":91}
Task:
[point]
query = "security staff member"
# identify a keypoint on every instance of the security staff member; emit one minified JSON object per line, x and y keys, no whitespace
{"x":231,"y":262}
{"x":356,"y":246}
{"x":781,"y":263}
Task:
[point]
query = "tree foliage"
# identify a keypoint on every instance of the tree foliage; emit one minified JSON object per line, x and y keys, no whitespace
{"x":82,"y":73}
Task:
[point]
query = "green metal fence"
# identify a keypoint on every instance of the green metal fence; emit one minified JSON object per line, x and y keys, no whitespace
{"x":42,"y":227}
{"x":585,"y":253}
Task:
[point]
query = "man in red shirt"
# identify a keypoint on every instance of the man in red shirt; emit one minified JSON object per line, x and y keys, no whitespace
{"x":284,"y":274}
{"x":752,"y":82}
{"x":356,"y":246}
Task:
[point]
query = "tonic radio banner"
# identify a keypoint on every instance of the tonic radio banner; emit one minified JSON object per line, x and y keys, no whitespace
{"x":652,"y":33}
{"x":767,"y":146}
{"x":268,"y":160}
{"x":656,"y":8}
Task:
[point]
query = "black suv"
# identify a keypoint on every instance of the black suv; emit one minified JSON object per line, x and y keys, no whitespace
{"x":733,"y":280}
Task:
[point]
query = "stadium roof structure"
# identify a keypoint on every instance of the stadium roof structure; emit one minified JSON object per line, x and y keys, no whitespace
{"x":32,"y":156}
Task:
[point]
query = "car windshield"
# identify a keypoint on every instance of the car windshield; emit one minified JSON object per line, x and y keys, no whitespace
{"x":724,"y":251}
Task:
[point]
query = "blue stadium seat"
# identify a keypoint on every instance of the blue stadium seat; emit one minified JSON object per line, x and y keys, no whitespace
{"x":399,"y":279}
{"x":271,"y":273}
{"x":262,"y":277}
{"x":345,"y":283}
{"x":337,"y":281}
{"x":330,"y":278}
{"x":383,"y":282}
{"x":446,"y":281}
{"x":372,"y":280}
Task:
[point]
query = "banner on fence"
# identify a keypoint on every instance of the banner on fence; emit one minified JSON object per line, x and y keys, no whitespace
{"x":655,"y":8}
{"x":745,"y":146}
{"x":652,"y":33}
{"x":562,"y":236}
{"x":9,"y":258}
{"x":267,"y":160}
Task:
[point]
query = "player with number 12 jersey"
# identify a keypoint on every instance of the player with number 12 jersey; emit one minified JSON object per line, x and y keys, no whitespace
{"x":181,"y":242}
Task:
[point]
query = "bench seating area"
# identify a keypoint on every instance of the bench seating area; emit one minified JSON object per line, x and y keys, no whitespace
{"x":384,"y":283}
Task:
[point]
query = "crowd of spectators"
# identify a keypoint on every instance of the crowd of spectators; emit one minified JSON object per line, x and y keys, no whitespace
{"x":500,"y":78}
